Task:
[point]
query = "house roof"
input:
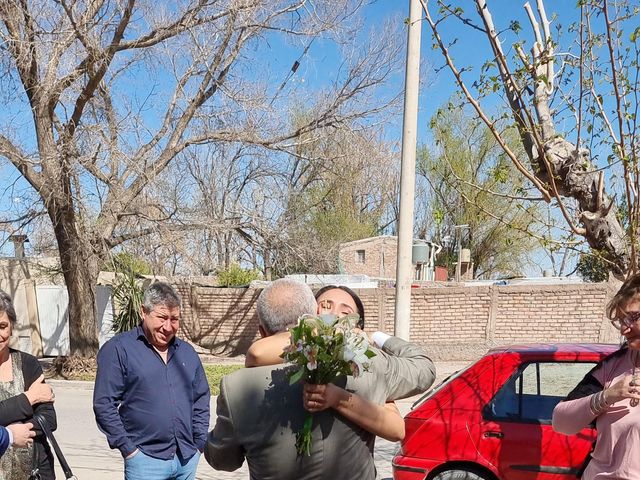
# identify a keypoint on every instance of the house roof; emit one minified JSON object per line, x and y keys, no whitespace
{"x":381,"y":238}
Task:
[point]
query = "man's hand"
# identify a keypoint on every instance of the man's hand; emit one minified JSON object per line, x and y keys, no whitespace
{"x":22,"y":434}
{"x":40,"y":392}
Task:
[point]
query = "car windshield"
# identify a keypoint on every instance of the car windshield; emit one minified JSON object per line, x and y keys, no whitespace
{"x":439,"y":386}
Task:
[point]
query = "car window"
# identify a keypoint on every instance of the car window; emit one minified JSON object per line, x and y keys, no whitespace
{"x":531,"y":394}
{"x":430,"y":393}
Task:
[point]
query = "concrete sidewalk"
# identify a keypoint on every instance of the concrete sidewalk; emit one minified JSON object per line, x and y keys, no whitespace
{"x":86,"y":449}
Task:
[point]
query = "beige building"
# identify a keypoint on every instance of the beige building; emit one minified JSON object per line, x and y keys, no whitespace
{"x":374,"y":256}
{"x":21,"y":278}
{"x":41,"y":301}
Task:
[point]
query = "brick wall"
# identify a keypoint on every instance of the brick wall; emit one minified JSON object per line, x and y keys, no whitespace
{"x":455,"y":323}
{"x":222,"y":321}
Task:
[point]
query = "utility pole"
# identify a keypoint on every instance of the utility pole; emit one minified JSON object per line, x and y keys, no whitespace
{"x":404,"y":269}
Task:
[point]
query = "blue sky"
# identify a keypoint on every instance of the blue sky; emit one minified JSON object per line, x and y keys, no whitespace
{"x":472,"y":48}
{"x":470,"y":51}
{"x":319,"y":64}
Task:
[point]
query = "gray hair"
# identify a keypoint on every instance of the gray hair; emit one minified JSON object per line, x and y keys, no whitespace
{"x":6,"y":306}
{"x":160,"y":293}
{"x":282,"y":303}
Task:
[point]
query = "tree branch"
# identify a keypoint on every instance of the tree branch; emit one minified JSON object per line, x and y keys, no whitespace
{"x":20,"y":160}
{"x":474,"y":103}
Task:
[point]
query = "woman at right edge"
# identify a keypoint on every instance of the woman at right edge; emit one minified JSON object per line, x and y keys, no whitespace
{"x":609,"y":396}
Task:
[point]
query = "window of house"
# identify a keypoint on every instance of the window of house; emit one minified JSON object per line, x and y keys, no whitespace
{"x":360,"y":256}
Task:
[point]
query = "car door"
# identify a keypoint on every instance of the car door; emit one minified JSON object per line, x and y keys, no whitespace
{"x":516,"y":432}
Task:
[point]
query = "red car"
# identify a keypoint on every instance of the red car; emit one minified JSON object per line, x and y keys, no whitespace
{"x":492,"y":420}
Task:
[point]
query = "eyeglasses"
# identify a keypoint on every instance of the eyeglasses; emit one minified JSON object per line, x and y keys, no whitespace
{"x":631,"y":319}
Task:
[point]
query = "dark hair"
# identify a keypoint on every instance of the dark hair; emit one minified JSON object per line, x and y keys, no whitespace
{"x":160,"y":293}
{"x":629,"y":289}
{"x":352,"y":294}
{"x":6,"y":305}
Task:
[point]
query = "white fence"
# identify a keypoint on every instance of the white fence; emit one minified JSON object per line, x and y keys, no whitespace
{"x":53,"y":304}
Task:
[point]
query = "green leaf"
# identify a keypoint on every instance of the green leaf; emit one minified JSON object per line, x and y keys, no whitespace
{"x":296,"y":377}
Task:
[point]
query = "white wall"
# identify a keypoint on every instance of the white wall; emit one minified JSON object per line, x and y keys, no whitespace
{"x":53,"y":304}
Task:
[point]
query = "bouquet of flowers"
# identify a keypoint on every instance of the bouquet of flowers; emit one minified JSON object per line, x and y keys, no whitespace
{"x":324,"y":347}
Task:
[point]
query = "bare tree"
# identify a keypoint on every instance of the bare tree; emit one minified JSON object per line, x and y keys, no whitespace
{"x":205,"y":198}
{"x":287,"y":211}
{"x":109,"y":94}
{"x":589,"y":87}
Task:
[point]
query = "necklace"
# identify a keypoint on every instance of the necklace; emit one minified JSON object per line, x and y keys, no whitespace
{"x":635,"y":381}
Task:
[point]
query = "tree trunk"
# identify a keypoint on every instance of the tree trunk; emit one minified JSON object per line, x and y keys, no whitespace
{"x":576,"y":177}
{"x":570,"y":171}
{"x":80,"y":268}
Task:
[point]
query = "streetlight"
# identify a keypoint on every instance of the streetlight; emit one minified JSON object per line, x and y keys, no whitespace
{"x":447,"y":242}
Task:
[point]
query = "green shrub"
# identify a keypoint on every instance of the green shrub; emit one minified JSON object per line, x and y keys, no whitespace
{"x":593,"y":267}
{"x":216,"y":372}
{"x":127,"y":297}
{"x":236,"y":276}
{"x":127,"y":262}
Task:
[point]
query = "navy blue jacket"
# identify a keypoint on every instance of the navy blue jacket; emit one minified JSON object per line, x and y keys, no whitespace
{"x":4,"y":440}
{"x":141,"y":402}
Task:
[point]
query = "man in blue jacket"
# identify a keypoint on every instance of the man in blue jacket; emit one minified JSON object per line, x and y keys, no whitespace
{"x":151,"y":396}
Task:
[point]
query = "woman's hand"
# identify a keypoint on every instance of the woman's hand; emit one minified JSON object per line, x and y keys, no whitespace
{"x":622,"y":389}
{"x":384,"y":421}
{"x":40,"y":392}
{"x":317,"y":398}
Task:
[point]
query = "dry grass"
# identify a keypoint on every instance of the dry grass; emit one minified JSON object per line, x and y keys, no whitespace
{"x":72,"y":368}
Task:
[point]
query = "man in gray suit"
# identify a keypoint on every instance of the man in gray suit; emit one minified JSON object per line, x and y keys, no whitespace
{"x":259,"y":413}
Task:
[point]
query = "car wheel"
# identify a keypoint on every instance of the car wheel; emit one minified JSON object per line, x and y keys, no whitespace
{"x":458,"y":475}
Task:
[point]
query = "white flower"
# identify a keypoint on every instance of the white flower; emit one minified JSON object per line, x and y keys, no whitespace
{"x":355,"y":348}
{"x":350,"y":321}
{"x":329,"y":319}
{"x":311,"y":353}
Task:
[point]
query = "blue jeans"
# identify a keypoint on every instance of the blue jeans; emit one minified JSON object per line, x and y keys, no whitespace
{"x":144,"y":467}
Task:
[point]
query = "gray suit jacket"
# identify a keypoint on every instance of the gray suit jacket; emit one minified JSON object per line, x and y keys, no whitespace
{"x":259,"y":413}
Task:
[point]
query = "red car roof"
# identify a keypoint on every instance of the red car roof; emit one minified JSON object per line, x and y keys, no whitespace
{"x":556,"y":350}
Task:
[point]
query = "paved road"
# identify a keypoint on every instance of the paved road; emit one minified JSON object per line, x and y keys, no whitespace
{"x":88,"y":454}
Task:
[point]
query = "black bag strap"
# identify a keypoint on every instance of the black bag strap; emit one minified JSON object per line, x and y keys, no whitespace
{"x":52,"y":440}
{"x":35,"y":464}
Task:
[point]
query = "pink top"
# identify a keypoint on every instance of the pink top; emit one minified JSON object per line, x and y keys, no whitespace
{"x":616,"y":455}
